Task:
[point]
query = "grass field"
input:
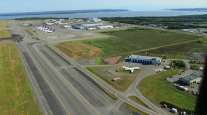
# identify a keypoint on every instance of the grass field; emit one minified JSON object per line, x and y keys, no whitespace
{"x":132,"y":40}
{"x":108,"y":73}
{"x":178,"y":51}
{"x":137,"y":100}
{"x":32,"y":33}
{"x":78,"y":50}
{"x":16,"y":97}
{"x":157,"y":89}
{"x":4,"y":33}
{"x":133,"y":109}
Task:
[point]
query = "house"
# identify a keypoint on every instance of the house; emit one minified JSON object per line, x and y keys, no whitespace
{"x":145,"y":60}
{"x":191,"y":79}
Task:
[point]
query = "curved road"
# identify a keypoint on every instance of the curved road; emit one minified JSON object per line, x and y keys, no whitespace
{"x":63,"y":87}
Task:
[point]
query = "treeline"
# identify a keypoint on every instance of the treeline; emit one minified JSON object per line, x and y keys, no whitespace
{"x":38,"y":18}
{"x":178,"y":22}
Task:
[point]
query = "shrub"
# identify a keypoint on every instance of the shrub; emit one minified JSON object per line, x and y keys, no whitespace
{"x":178,"y":64}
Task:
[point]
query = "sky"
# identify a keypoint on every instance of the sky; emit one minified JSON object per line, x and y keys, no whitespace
{"x":12,"y":6}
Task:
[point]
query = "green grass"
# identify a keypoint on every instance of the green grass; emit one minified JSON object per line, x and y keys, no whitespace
{"x":178,"y":51}
{"x":99,"y":61}
{"x":4,"y":32}
{"x":112,"y":96}
{"x":133,"y":109}
{"x":157,"y":89}
{"x":16,"y":97}
{"x":137,"y":100}
{"x":32,"y":33}
{"x":132,"y":40}
{"x":104,"y":74}
{"x":195,"y":66}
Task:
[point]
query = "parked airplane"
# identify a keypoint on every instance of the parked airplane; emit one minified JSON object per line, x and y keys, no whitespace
{"x":131,"y":69}
{"x":45,"y":29}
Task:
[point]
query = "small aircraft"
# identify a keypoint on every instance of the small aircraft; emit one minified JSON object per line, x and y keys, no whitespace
{"x":131,"y":69}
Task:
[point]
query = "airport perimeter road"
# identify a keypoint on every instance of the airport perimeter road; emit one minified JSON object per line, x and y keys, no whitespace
{"x":61,"y":97}
{"x":121,"y":97}
{"x":54,"y":93}
{"x":134,"y":90}
{"x":87,"y":88}
{"x":63,"y":87}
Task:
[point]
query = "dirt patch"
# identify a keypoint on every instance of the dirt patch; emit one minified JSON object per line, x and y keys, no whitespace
{"x":6,"y":41}
{"x":79,"y":50}
{"x":112,"y":60}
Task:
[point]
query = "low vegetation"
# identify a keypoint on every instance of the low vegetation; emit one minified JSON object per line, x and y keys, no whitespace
{"x":4,"y":32}
{"x":107,"y":73}
{"x":32,"y":33}
{"x":135,"y":41}
{"x":195,"y":66}
{"x":177,"y":51}
{"x":125,"y":42}
{"x":133,"y":109}
{"x":79,"y":50}
{"x":16,"y":97}
{"x":178,"y":64}
{"x":137,"y":100}
{"x":158,"y":90}
{"x":179,"y":22}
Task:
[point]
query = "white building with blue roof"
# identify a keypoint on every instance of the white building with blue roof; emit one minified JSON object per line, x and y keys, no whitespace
{"x":145,"y":60}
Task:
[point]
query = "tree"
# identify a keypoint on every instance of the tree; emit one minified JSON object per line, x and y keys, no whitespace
{"x":178,"y":64}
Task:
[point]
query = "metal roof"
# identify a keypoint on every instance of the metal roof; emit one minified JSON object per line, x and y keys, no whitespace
{"x":144,"y":57}
{"x":192,"y":76}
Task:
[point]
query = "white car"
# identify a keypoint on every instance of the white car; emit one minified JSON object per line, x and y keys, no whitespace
{"x":173,"y":110}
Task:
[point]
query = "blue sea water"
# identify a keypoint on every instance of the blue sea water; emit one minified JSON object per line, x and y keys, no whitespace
{"x":106,"y":14}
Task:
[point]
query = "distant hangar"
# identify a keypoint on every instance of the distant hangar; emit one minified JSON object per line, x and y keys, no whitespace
{"x":192,"y":78}
{"x":145,"y":60}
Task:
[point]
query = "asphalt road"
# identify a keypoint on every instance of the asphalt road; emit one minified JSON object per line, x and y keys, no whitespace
{"x":82,"y":83}
{"x":69,"y":99}
{"x":53,"y":102}
{"x":63,"y":87}
{"x":56,"y":95}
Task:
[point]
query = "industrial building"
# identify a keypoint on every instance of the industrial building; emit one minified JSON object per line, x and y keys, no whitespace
{"x":87,"y":26}
{"x":145,"y":60}
{"x":78,"y":26}
{"x":95,"y":20}
{"x":191,"y":79}
{"x":105,"y":27}
{"x":92,"y":26}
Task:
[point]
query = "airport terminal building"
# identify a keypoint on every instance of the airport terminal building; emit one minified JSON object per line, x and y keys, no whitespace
{"x":191,"y":79}
{"x":145,"y":60}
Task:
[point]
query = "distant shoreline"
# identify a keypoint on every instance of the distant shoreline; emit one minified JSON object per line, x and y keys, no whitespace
{"x":191,"y":9}
{"x":96,"y":14}
{"x":63,"y":12}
